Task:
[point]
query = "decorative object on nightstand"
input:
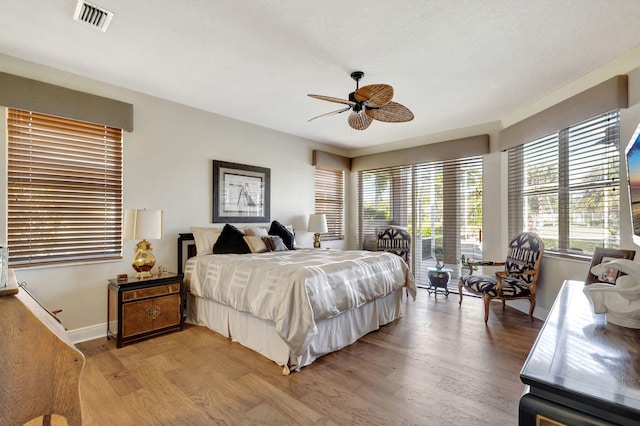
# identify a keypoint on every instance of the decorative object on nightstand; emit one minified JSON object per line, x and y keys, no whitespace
{"x":143,"y":224}
{"x":317,"y":225}
{"x":439,"y":255}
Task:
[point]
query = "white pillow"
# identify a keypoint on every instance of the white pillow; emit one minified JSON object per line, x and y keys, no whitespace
{"x":259,"y":231}
{"x":205,"y":239}
{"x":255,"y":243}
{"x":293,"y":231}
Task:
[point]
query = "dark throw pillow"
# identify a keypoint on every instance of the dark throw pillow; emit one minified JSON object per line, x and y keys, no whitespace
{"x":231,"y":241}
{"x":279,"y":230}
{"x":274,"y":243}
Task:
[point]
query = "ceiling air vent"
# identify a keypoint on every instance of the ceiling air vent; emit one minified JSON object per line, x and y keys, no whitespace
{"x":92,"y":15}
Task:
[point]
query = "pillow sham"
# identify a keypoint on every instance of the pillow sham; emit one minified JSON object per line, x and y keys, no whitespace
{"x":205,"y":238}
{"x":259,"y":231}
{"x":231,"y":240}
{"x":274,"y":243}
{"x":255,"y":243}
{"x":293,"y":231}
{"x":281,"y":231}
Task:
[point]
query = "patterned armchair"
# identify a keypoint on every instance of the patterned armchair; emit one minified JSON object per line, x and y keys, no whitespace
{"x":517,"y":281}
{"x":395,"y":240}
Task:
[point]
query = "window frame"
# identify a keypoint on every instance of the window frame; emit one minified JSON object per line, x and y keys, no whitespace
{"x":571,"y":144}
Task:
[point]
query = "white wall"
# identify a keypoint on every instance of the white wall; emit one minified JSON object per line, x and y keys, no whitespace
{"x":168,"y":166}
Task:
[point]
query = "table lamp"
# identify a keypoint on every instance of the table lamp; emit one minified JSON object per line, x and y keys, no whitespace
{"x":317,"y":225}
{"x":143,"y":225}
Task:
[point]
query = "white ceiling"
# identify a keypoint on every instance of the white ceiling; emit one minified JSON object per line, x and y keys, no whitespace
{"x":454,"y":63}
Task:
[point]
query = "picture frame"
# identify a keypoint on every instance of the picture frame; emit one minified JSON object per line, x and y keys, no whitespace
{"x":603,"y":255}
{"x":241,"y":193}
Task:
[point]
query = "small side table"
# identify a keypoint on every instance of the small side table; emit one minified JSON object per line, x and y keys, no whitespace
{"x":139,"y":308}
{"x":439,"y":281}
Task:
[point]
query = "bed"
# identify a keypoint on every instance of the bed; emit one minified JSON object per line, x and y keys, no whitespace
{"x":293,"y":306}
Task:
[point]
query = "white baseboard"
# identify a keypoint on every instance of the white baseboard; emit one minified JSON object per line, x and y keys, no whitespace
{"x":523,"y":306}
{"x":88,"y":333}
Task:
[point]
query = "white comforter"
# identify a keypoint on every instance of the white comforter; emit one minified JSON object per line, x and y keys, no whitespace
{"x":296,"y":288}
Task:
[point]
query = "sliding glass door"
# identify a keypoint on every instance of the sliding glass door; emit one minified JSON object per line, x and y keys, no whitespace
{"x":439,"y":202}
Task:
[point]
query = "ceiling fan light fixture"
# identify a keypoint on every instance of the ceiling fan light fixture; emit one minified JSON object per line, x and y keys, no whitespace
{"x":359,"y":121}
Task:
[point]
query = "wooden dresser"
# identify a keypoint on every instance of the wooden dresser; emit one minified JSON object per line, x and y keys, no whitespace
{"x":581,"y":369}
{"x":39,"y":365}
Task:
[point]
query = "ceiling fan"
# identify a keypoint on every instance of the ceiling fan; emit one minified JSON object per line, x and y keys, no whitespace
{"x":368,"y":103}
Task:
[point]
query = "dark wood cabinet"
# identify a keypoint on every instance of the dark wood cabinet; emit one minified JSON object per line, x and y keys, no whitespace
{"x":581,"y":370}
{"x":139,"y":308}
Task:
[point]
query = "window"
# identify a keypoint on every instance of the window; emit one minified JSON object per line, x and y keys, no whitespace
{"x":384,"y":199}
{"x":439,"y":202}
{"x":64,"y":190}
{"x":449,"y":210}
{"x":564,"y":187}
{"x":330,"y":201}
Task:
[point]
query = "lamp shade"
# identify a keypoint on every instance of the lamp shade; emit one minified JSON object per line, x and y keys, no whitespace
{"x":318,"y":224}
{"x":142,"y":224}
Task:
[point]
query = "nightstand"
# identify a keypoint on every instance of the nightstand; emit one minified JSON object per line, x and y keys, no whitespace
{"x":139,"y":308}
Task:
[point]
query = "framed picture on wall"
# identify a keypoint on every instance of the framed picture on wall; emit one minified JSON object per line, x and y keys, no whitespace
{"x":240,"y":193}
{"x":603,"y":255}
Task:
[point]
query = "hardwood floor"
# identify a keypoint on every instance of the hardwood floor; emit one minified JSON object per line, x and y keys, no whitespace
{"x":437,"y":365}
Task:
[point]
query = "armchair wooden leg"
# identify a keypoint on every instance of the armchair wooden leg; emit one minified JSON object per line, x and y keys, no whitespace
{"x":460,"y":292}
{"x":504,"y":304}
{"x":532,"y":301}
{"x":487,"y":300}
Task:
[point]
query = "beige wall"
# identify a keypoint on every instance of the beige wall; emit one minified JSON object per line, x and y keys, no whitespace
{"x":168,"y":166}
{"x":171,"y":149}
{"x":554,"y":270}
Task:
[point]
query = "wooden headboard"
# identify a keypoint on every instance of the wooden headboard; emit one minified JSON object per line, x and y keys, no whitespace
{"x":186,"y":249}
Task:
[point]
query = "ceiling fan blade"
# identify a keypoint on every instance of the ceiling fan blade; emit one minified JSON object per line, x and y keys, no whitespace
{"x":375,"y":95}
{"x":331,"y":99}
{"x":359,"y":121}
{"x":392,"y":112}
{"x":330,"y":113}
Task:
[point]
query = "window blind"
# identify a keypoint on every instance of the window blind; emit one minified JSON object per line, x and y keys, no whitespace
{"x":64,"y":190}
{"x":384,"y":198}
{"x":439,"y":202}
{"x":329,"y":187}
{"x":449,"y":209}
{"x":565,"y":187}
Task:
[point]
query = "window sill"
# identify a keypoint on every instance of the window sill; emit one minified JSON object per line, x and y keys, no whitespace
{"x":568,"y":256}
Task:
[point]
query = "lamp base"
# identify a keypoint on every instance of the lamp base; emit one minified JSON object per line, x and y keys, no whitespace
{"x":316,"y":240}
{"x":144,"y":274}
{"x":143,"y":260}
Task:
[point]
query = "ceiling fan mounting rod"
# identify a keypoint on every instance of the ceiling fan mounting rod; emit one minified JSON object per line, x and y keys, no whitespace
{"x":357,"y":75}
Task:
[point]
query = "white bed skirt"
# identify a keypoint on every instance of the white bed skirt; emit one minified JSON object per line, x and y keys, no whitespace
{"x":260,"y":335}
